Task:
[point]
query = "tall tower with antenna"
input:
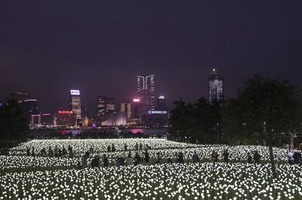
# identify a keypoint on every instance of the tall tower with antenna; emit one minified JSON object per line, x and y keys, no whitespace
{"x":216,"y":87}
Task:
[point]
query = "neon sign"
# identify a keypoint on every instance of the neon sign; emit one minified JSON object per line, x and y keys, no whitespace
{"x":28,"y":100}
{"x":75,"y":92}
{"x":64,"y":112}
{"x":151,"y":112}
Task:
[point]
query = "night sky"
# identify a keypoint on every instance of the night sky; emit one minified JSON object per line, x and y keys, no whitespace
{"x":99,"y":47}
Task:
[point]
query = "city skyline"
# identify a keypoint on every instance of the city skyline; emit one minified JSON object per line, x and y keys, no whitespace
{"x":48,"y":48}
{"x":75,"y":93}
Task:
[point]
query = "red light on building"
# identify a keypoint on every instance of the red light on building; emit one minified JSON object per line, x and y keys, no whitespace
{"x":64,"y":112}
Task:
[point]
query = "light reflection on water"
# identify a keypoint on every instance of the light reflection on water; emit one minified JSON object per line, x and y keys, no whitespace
{"x":134,"y":130}
{"x":146,"y":131}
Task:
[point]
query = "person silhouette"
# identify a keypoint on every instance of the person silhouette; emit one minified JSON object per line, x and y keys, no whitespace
{"x":226,"y":156}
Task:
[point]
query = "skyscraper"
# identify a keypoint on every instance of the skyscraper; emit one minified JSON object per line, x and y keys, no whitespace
{"x":216,"y":87}
{"x":105,"y":108}
{"x":75,"y":105}
{"x":161,"y":103}
{"x":30,"y":109}
{"x":101,"y":104}
{"x":137,"y":108}
{"x":29,"y":106}
{"x":145,"y":89}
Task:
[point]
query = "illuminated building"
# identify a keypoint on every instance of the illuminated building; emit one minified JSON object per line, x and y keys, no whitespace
{"x":145,"y":88}
{"x":47,"y":119}
{"x":136,"y":108}
{"x":41,"y":119}
{"x":30,"y":108}
{"x":133,"y":109}
{"x":64,"y":118}
{"x":101,"y":104}
{"x":76,"y":106}
{"x":85,"y":113}
{"x":157,"y":118}
{"x":105,"y":108}
{"x":216,"y":88}
{"x":161,"y":103}
{"x":126,"y":106}
{"x":20,"y":96}
{"x":110,"y":104}
{"x":116,"y":119}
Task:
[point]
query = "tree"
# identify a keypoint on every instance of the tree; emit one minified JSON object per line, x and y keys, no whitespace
{"x":197,"y":120}
{"x":233,"y":124}
{"x":201,"y":120}
{"x":13,"y":122}
{"x":180,"y":118}
{"x":216,"y":117}
{"x":205,"y":118}
{"x":264,"y":109}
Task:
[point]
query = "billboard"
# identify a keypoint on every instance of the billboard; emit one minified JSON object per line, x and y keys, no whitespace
{"x":75,"y":92}
{"x":136,"y":100}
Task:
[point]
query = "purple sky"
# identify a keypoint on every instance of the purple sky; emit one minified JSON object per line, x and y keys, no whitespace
{"x":99,"y":47}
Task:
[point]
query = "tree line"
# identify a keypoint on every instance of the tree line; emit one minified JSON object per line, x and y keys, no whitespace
{"x":264,"y":110}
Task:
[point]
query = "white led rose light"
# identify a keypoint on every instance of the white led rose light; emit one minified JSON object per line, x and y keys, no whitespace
{"x":27,"y":177}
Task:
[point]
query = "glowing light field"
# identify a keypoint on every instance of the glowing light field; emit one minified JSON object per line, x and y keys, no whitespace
{"x":25,"y":177}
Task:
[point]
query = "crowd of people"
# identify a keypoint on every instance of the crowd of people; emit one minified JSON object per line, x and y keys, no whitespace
{"x":56,"y":152}
{"x":97,"y":161}
{"x":294,"y":156}
{"x":255,"y":159}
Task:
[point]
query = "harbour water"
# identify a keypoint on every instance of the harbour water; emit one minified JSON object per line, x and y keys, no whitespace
{"x":147,"y":131}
